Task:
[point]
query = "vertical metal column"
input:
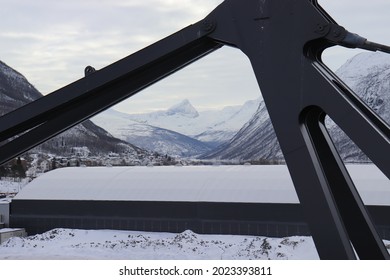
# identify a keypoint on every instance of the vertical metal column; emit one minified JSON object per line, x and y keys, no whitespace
{"x":283,"y":40}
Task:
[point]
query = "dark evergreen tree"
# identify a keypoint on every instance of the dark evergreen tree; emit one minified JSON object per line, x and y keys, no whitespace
{"x":53,"y":163}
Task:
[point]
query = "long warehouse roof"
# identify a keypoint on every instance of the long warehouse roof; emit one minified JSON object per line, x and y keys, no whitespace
{"x":250,"y":184}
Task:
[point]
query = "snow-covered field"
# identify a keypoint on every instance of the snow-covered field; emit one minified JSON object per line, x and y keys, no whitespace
{"x":119,"y":245}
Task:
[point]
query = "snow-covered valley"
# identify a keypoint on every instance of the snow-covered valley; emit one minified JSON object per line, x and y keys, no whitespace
{"x":180,"y":130}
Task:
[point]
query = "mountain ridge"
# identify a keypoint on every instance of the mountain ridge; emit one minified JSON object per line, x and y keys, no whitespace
{"x":144,"y":135}
{"x":210,"y":128}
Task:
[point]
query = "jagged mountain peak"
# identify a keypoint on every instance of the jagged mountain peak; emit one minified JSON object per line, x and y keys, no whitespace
{"x":184,"y":108}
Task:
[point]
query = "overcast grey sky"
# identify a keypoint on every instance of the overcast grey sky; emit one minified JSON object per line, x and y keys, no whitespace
{"x":51,"y":42}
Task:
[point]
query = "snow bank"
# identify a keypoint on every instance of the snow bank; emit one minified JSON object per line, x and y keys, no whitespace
{"x":116,"y":245}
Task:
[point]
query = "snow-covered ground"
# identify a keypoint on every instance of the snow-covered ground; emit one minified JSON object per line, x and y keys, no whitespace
{"x":12,"y":186}
{"x":130,"y":245}
{"x":117,"y":245}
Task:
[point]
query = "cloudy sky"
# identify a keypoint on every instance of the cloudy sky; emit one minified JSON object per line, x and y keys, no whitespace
{"x":51,"y":42}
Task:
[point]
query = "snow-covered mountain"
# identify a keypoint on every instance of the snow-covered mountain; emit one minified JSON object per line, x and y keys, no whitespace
{"x":15,"y":91}
{"x":368,"y":74}
{"x":184,"y":109}
{"x":181,"y":129}
{"x":152,"y":138}
{"x":226,"y":123}
{"x":213,"y":126}
{"x":255,"y":140}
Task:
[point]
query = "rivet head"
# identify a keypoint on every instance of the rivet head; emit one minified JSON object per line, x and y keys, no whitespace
{"x":208,"y":25}
{"x":321,"y":28}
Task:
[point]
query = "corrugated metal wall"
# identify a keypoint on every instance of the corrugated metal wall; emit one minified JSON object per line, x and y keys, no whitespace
{"x":273,"y":220}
